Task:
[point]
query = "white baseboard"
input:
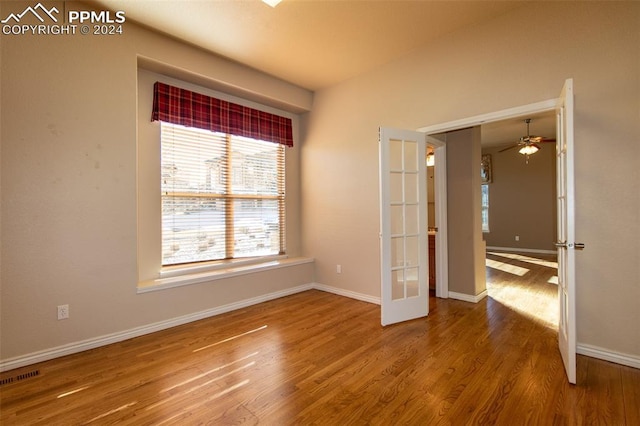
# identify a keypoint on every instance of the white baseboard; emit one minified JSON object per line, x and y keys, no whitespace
{"x":468,"y":297}
{"x":72,"y":348}
{"x":521,"y":250}
{"x":608,"y":355}
{"x":347,"y":293}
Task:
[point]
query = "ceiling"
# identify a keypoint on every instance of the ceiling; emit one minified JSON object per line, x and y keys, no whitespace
{"x":508,"y":132}
{"x":311,"y":43}
{"x":315,"y":44}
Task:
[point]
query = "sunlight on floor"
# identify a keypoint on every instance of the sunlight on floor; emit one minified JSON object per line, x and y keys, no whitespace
{"x":108,"y":413}
{"x":183,"y":410}
{"x":229,"y":339}
{"x":231,"y":373}
{"x":205,"y":385}
{"x":208,"y":382}
{"x":541,"y":308}
{"x":522,"y":258}
{"x":531,"y":292}
{"x":62,"y":395}
{"x":213,"y":370}
{"x":506,"y":267}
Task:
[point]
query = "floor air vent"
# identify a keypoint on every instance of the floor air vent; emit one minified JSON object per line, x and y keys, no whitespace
{"x":19,"y":377}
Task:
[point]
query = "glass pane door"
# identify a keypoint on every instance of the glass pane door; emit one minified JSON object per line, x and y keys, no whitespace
{"x":404,"y":225}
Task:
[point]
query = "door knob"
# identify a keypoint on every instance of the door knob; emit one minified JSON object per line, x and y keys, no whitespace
{"x":577,"y":246}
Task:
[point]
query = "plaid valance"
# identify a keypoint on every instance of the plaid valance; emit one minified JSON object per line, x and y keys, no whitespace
{"x":180,"y":106}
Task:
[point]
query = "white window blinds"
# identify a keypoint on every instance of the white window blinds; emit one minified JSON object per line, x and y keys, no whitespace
{"x":222,"y":196}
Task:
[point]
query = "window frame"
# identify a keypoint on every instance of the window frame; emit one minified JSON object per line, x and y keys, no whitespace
{"x":147,"y":223}
{"x":228,"y":194}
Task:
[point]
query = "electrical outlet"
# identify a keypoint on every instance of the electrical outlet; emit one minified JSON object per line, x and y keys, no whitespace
{"x":63,"y":312}
{"x":339,"y":269}
{"x":517,"y":237}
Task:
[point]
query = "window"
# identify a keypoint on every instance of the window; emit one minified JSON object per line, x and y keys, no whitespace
{"x":485,"y":208}
{"x":222,"y":184}
{"x":223,"y":196}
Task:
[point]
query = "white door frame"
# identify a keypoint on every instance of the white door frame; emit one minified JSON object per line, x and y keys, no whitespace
{"x":440,"y":198}
{"x":476,"y":120}
{"x":442,"y":282}
{"x":530,"y":109}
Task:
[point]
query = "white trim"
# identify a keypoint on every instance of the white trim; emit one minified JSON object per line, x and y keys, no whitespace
{"x":441,"y":239}
{"x":217,"y":274}
{"x":442,"y":284}
{"x":468,"y":297}
{"x":521,"y":250}
{"x":347,"y":293}
{"x":608,"y":355}
{"x":96,"y":342}
{"x":476,"y":120}
{"x":191,"y":268}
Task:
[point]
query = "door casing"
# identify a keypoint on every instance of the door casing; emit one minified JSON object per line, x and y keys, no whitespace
{"x":442,"y":285}
{"x":549,"y":105}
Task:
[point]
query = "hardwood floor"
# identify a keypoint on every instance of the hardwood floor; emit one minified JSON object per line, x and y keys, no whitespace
{"x":315,"y":358}
{"x":526,"y":284}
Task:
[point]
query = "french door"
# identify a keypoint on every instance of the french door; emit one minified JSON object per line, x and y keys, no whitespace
{"x":403,"y":224}
{"x":566,"y":230}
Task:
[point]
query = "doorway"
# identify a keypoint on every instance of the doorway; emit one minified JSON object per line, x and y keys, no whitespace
{"x":432,"y":229}
{"x":519,"y":215}
{"x":437,"y":134}
{"x":565,"y":199}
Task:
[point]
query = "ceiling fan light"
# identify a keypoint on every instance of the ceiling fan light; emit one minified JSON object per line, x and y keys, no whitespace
{"x":529,"y":149}
{"x":272,"y":3}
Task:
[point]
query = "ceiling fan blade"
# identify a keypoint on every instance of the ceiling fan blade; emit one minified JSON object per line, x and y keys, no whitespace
{"x":541,"y":139}
{"x":509,"y":147}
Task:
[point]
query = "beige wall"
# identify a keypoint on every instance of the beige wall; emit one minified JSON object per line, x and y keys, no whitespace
{"x":69,"y":187}
{"x":466,"y":250}
{"x":522,"y":199}
{"x":497,"y":65}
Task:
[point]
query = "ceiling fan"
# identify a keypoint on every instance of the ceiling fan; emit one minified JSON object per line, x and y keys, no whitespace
{"x":529,"y":144}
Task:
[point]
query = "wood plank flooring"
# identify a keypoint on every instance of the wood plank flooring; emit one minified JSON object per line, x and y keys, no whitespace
{"x":315,"y":358}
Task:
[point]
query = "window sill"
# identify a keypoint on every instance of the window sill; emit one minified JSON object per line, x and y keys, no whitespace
{"x":194,"y":275}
